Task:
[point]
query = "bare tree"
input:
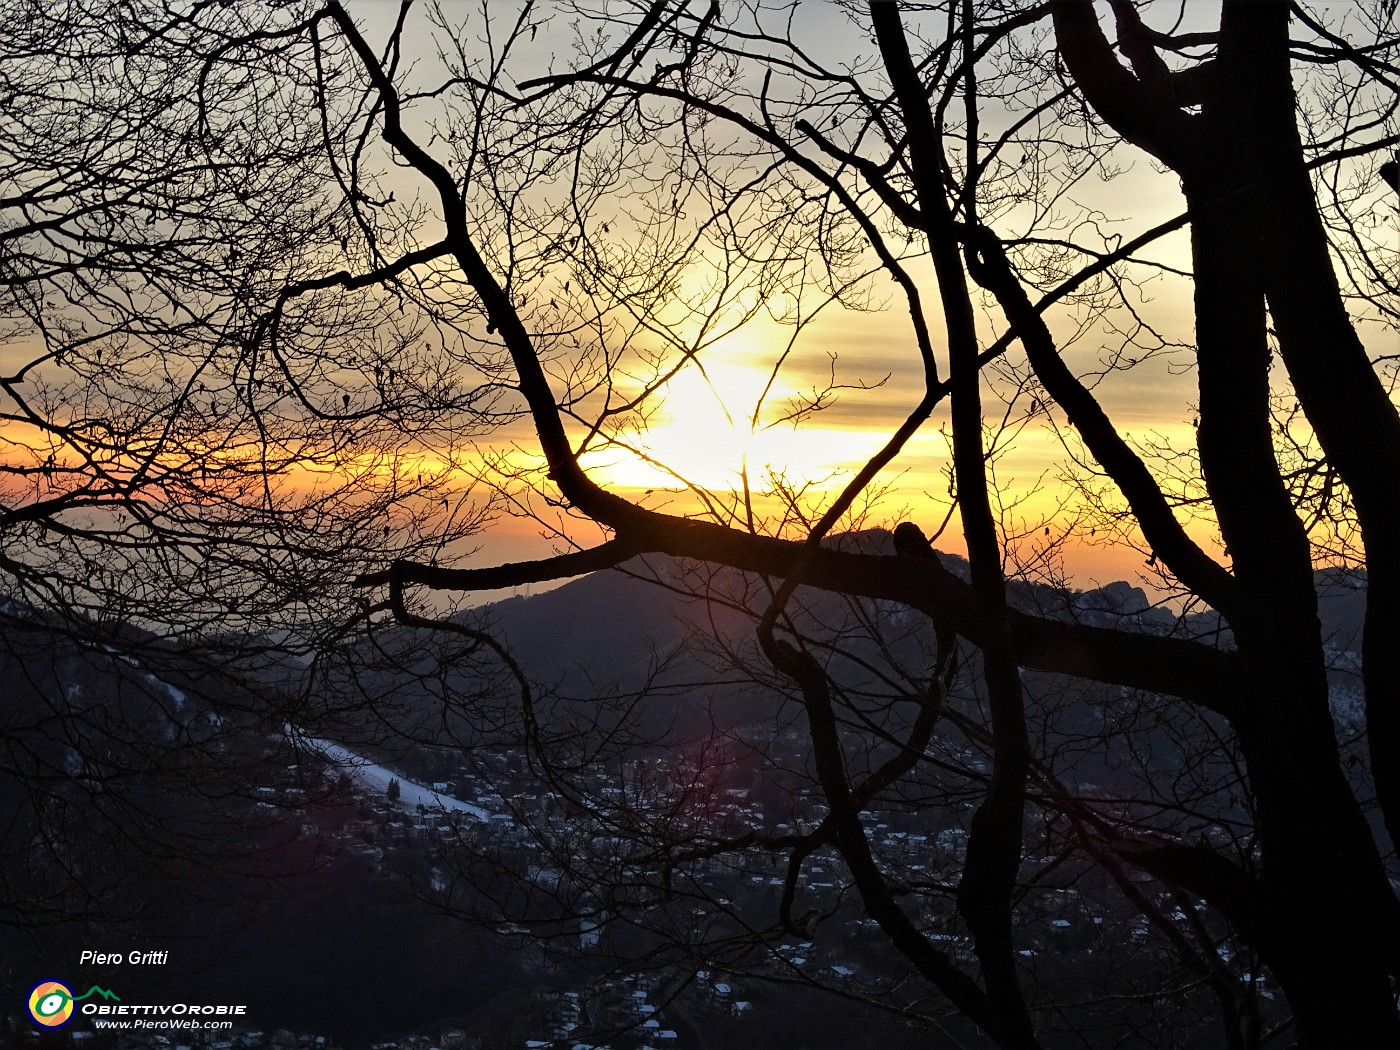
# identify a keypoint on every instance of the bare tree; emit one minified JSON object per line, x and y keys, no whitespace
{"x":203,"y":427}
{"x":1270,"y":683}
{"x":200,"y":421}
{"x":543,"y":233}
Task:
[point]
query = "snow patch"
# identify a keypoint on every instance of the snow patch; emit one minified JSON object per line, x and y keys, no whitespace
{"x":376,"y":778}
{"x":176,"y":696}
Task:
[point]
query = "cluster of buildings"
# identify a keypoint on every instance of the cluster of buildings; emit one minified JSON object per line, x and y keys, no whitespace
{"x":731,"y":792}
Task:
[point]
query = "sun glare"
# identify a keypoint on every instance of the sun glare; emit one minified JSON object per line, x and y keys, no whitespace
{"x":704,"y":434}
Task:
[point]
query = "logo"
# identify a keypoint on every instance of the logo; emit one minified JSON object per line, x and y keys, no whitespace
{"x":51,"y":1003}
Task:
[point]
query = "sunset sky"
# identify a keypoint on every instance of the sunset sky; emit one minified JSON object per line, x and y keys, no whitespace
{"x":705,"y":430}
{"x":720,"y":419}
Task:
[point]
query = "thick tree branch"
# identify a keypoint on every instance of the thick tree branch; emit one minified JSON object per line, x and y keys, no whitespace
{"x":1181,"y":554}
{"x":854,"y":846}
{"x":1132,"y":108}
{"x":514,"y":574}
{"x":1195,"y":672}
{"x":994,"y":842}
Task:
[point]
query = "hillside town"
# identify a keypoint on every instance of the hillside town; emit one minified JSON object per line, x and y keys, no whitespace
{"x":414,"y":833}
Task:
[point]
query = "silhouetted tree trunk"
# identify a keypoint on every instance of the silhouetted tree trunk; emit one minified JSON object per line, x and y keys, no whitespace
{"x":1327,"y":918}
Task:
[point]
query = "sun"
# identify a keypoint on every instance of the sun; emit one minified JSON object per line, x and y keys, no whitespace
{"x":704,"y":434}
